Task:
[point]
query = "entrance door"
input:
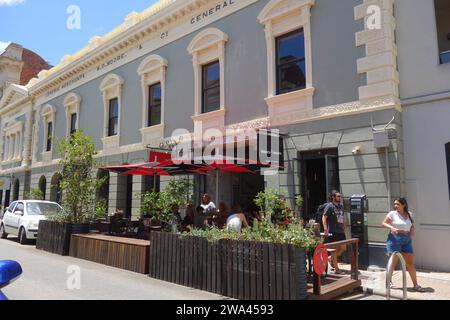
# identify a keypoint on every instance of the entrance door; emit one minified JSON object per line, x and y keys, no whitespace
{"x":332,"y":172}
{"x":319,"y":175}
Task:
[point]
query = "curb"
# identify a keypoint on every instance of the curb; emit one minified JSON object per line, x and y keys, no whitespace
{"x":395,"y":295}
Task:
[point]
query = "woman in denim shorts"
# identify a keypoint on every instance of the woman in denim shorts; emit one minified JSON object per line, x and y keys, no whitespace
{"x":401,"y":225}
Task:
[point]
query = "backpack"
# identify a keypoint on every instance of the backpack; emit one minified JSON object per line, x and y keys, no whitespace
{"x":319,"y":214}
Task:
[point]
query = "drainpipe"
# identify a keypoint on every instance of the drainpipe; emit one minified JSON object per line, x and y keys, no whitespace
{"x":388,"y":173}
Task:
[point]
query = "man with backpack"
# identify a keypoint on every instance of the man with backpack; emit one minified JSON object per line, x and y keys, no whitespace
{"x":334,"y":227}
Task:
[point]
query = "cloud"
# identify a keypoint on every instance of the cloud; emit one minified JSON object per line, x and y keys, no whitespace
{"x":3,"y":45}
{"x":10,"y":2}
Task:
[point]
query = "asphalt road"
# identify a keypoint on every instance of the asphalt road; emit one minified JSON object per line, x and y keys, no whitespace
{"x":51,"y":277}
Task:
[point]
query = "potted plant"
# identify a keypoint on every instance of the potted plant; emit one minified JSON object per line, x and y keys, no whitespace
{"x":79,"y":188}
{"x":159,"y":205}
{"x":272,"y":204}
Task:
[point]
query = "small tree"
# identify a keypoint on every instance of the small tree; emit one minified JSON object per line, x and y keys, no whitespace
{"x":35,"y":194}
{"x":77,"y":181}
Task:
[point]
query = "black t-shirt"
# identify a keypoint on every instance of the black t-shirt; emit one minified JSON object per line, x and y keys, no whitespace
{"x":335,"y":215}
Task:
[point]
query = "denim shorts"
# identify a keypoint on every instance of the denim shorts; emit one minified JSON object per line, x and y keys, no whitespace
{"x":400,"y":243}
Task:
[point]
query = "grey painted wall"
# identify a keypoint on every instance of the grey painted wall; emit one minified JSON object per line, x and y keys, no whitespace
{"x":418,"y":53}
{"x":334,"y":53}
{"x":426,"y":179}
{"x":361,"y":174}
{"x":334,"y":73}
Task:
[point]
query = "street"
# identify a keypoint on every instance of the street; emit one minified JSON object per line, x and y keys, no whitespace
{"x":46,"y":277}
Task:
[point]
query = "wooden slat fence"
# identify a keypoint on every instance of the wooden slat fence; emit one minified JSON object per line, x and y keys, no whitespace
{"x":54,"y":237}
{"x":239,"y":269}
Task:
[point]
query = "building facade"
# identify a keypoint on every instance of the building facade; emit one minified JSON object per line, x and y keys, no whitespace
{"x":425,"y":93}
{"x":314,"y":69}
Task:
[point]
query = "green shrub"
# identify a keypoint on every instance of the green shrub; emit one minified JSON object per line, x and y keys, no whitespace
{"x":293,"y":233}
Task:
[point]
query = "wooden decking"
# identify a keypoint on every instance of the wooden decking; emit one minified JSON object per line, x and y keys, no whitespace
{"x":123,"y":253}
{"x":334,"y":286}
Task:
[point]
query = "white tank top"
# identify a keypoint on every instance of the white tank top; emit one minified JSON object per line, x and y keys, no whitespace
{"x":399,"y":222}
{"x":234,"y":223}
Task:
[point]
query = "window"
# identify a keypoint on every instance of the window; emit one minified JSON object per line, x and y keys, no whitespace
{"x":447,"y":153}
{"x":19,"y":208}
{"x":442,"y":8}
{"x":113,"y":123}
{"x":49,"y":136}
{"x":73,"y":123}
{"x":13,"y":140}
{"x":72,"y":104}
{"x":209,"y":61}
{"x":111,"y":88}
{"x":154,"y":105}
{"x":211,"y":87}
{"x":48,"y":123}
{"x":291,"y":69}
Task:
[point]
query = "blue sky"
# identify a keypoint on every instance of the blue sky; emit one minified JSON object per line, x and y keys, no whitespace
{"x":40,"y":25}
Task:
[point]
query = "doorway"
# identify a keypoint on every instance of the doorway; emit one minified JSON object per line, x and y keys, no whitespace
{"x":245,"y":192}
{"x":319,"y":176}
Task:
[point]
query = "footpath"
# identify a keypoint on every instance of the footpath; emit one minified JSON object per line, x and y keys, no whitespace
{"x":436,"y":284}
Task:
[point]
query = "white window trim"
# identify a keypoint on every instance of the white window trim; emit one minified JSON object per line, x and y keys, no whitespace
{"x":206,"y":47}
{"x":152,"y":71}
{"x":72,"y":104}
{"x":13,"y":132}
{"x":48,"y":115}
{"x":111,"y":88}
{"x":281,"y":17}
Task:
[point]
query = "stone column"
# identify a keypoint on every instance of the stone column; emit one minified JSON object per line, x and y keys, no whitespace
{"x":138,"y":188}
{"x":112,"y":204}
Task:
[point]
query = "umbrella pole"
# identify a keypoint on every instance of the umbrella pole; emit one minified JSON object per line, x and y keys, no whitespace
{"x":217,"y":187}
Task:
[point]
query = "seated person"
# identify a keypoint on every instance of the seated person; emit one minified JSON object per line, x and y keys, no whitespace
{"x":221,"y":219}
{"x":176,"y":219}
{"x":200,"y":221}
{"x":188,"y":222}
{"x":236,"y":220}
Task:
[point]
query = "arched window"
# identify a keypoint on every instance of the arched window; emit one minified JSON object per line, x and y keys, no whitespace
{"x":55,"y":191}
{"x":16,"y":190}
{"x":43,"y":185}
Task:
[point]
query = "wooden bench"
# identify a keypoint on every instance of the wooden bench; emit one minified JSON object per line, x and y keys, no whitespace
{"x":123,"y":253}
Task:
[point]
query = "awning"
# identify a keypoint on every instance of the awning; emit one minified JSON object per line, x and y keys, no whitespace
{"x":203,"y":166}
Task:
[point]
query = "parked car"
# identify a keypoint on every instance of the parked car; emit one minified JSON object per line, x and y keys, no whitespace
{"x":9,"y":272}
{"x":22,"y":218}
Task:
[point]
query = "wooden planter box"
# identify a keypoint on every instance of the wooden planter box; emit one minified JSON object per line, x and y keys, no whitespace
{"x":123,"y":253}
{"x":238,"y":269}
{"x":54,"y":237}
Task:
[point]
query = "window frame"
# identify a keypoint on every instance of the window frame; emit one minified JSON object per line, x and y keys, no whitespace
{"x":279,"y":66}
{"x":49,"y":137}
{"x":205,"y":89}
{"x":442,"y":52}
{"x":73,"y":125}
{"x":152,"y":106}
{"x":113,"y":117}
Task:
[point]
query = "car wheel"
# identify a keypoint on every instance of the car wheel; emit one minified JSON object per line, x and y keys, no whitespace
{"x":3,"y":234}
{"x":23,"y":236}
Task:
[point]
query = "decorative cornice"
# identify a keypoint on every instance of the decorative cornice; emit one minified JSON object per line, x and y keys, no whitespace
{"x":136,"y":27}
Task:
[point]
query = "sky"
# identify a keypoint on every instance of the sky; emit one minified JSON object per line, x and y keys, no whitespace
{"x":41,"y":25}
